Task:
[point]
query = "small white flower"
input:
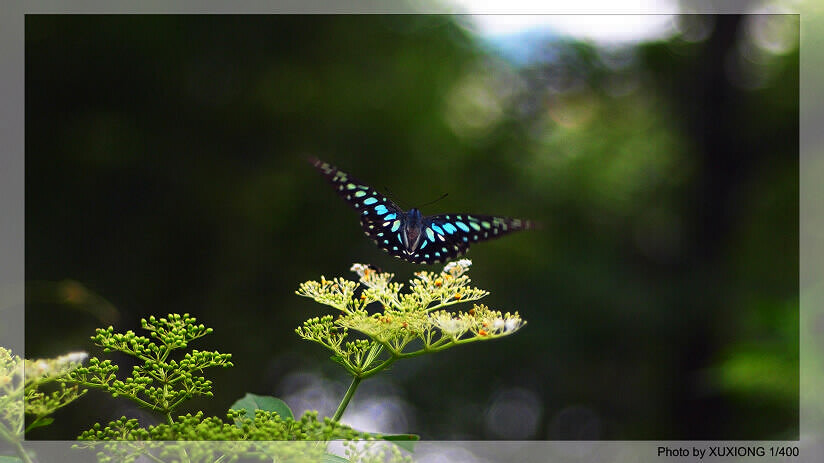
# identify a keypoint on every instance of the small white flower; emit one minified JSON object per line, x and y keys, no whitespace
{"x":498,"y":324}
{"x":73,"y":357}
{"x":512,"y":324}
{"x":37,"y":368}
{"x":360,"y":269}
{"x":457,"y":268}
{"x":451,"y":326}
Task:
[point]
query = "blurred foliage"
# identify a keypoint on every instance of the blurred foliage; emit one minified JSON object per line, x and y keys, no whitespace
{"x":164,"y":173}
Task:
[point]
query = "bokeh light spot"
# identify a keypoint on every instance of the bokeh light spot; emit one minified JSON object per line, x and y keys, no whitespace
{"x":514,"y":414}
{"x":575,"y":423}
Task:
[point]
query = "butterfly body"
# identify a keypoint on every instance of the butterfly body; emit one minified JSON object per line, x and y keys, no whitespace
{"x":409,"y":235}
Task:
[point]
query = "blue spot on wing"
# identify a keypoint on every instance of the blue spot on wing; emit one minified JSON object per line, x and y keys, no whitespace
{"x":430,"y":234}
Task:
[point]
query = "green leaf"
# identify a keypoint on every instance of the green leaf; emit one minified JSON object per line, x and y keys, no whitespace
{"x":329,"y":458}
{"x":251,"y":402}
{"x":8,"y":459}
{"x":38,"y":423}
{"x":404,"y":441}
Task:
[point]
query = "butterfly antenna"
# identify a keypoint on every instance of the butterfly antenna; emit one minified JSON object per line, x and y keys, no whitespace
{"x":434,"y":201}
{"x":392,"y":196}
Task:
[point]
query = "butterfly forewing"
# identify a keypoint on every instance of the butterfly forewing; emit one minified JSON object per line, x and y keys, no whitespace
{"x":380,"y":218}
{"x":472,"y":228}
{"x":370,"y":203}
{"x":457,"y":231}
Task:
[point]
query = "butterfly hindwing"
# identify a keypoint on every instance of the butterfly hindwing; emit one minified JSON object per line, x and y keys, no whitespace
{"x":432,"y":247}
{"x":386,"y":231}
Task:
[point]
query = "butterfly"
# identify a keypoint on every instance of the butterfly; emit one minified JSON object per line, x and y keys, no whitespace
{"x":410,"y":235}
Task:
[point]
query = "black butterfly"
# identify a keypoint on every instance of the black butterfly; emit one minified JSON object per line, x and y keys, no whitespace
{"x":409,"y":235}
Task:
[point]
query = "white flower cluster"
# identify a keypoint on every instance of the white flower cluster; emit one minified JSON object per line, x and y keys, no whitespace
{"x":480,"y":322}
{"x":73,"y":357}
{"x":507,"y":325}
{"x":360,"y":269}
{"x":54,"y":367}
{"x":449,"y":325}
{"x":458,"y":268}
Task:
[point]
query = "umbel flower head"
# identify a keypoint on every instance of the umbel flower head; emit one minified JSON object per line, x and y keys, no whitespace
{"x":406,"y":323}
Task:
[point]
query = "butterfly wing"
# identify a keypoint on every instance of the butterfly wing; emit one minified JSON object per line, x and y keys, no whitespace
{"x":451,"y":234}
{"x":436,"y":244}
{"x":443,"y":236}
{"x":380,"y":218}
{"x":370,"y":203}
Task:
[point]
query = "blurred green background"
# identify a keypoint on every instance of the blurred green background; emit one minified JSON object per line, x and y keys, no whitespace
{"x":164,"y":173}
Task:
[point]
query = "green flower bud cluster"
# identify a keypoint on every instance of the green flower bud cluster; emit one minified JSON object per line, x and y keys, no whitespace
{"x":374,"y":452}
{"x":252,"y":438}
{"x":263,"y":426}
{"x":159,"y":383}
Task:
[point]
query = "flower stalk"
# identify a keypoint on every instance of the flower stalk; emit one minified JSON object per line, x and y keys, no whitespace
{"x":346,"y":398}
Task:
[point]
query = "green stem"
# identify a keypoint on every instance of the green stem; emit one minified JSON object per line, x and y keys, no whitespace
{"x":380,"y":367}
{"x":14,"y":439}
{"x":346,"y":398}
{"x":106,"y":387}
{"x":18,"y":447}
{"x":148,"y":453}
{"x":179,"y":401}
